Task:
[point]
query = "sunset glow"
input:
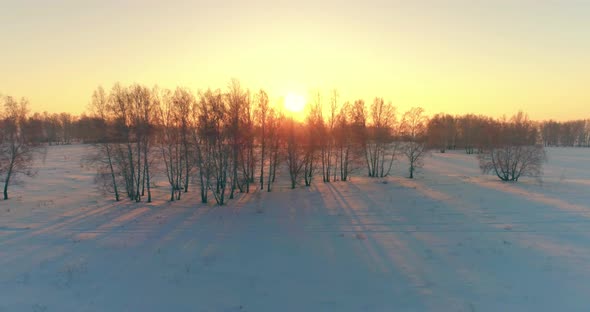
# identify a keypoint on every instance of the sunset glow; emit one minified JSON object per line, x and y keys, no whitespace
{"x":294,"y":155}
{"x":294,"y":103}
{"x":483,"y":57}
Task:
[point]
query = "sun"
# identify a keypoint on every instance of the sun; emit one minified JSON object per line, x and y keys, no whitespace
{"x":294,"y":103}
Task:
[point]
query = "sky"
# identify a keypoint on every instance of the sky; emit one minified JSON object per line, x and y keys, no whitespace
{"x":484,"y":57}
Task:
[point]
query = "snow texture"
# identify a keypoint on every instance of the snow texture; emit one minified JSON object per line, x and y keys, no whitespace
{"x":449,"y":240}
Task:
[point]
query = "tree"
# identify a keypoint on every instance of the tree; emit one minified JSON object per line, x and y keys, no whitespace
{"x":184,"y":101}
{"x":66,"y":122}
{"x":344,"y":140}
{"x":414,"y":128}
{"x":517,"y":153}
{"x":468,"y":128}
{"x":296,"y":155}
{"x":331,"y":124}
{"x":510,"y":162}
{"x":16,"y":150}
{"x":143,"y":109}
{"x":380,"y":139}
{"x":247,"y":136}
{"x":104,"y":157}
{"x":119,"y":105}
{"x":262,"y":112}
{"x":213,"y":141}
{"x":237,"y":99}
{"x":204,"y":137}
{"x":315,"y":138}
{"x":133,"y":111}
{"x":171,"y":142}
{"x":274,"y":122}
{"x":441,"y":132}
{"x":222,"y":137}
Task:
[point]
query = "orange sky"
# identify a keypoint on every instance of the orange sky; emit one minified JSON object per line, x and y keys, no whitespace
{"x":488,"y":57}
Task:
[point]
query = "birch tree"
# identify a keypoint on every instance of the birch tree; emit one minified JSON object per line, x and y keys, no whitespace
{"x":16,"y":151}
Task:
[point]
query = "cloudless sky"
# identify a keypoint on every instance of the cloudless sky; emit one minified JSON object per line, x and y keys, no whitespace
{"x":491,"y":57}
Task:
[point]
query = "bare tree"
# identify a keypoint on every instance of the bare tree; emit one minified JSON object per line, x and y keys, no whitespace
{"x":16,"y":151}
{"x":236,"y":100}
{"x":344,"y":140}
{"x":214,"y":145}
{"x":315,"y":138}
{"x":184,"y":102}
{"x":133,"y":111}
{"x":105,"y":147}
{"x":121,"y":109}
{"x":380,"y":145}
{"x":568,"y":133}
{"x":204,"y":138}
{"x":510,"y":162}
{"x":297,"y":157}
{"x":67,"y":126}
{"x":143,"y":109}
{"x":262,"y":112}
{"x":441,"y":132}
{"x":468,"y":131}
{"x":331,"y":125}
{"x":518,"y":152}
{"x":274,"y":124}
{"x":359,"y":131}
{"x":414,"y":151}
{"x":550,"y":133}
{"x":223,"y":138}
{"x":171,"y":142}
{"x":247,"y":134}
{"x":414,"y":128}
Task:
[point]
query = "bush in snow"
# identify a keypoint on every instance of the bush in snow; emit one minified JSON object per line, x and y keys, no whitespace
{"x":511,"y":162}
{"x":515,"y":153}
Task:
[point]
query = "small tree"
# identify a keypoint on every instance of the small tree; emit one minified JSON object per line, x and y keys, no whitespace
{"x":16,"y":151}
{"x":517,"y":152}
{"x":415,"y":152}
{"x":414,"y":128}
{"x":510,"y":162}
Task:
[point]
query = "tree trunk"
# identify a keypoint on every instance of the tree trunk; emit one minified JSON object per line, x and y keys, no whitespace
{"x":186,"y":178}
{"x":147,"y":178}
{"x":112,"y":173}
{"x":139,"y":175}
{"x":6,"y":186}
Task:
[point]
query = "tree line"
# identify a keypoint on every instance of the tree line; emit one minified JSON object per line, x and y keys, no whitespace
{"x":575,"y":133}
{"x":473,"y":132}
{"x":233,"y":140}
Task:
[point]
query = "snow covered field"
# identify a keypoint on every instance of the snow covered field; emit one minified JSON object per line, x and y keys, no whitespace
{"x":450,"y":240}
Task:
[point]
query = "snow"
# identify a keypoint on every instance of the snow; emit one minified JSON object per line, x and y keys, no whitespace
{"x":449,"y":240}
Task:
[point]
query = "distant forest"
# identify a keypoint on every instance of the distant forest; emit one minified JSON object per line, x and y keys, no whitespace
{"x":233,"y":140}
